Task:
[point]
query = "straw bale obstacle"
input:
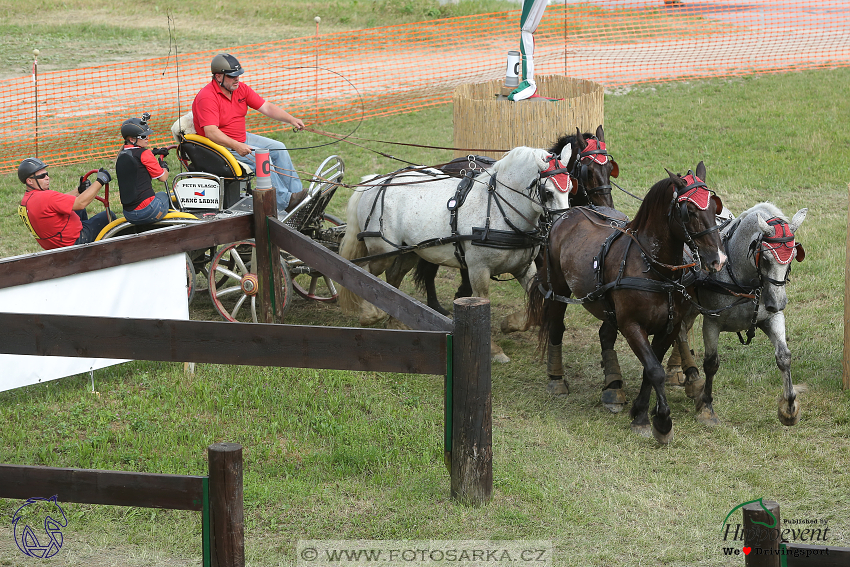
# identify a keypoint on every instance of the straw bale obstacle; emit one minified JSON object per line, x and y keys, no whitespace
{"x":484,"y":119}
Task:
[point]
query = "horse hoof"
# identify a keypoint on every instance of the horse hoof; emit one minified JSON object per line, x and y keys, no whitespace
{"x":675,"y":377}
{"x":694,"y":389}
{"x":642,"y":429}
{"x":613,"y":399}
{"x":394,"y":323}
{"x":707,"y":417}
{"x":663,"y":438}
{"x":787,"y":418}
{"x":558,"y":387}
{"x":501,"y":358}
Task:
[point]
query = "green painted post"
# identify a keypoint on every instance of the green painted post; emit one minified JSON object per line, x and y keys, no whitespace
{"x":206,"y":542}
{"x":447,"y":406}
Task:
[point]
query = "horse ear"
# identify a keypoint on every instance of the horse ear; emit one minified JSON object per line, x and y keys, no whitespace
{"x":566,"y":151}
{"x":765,"y":228}
{"x":718,"y":204}
{"x":798,"y":219}
{"x":677,"y":180}
{"x":615,"y":169}
{"x":582,"y":143}
{"x":701,"y":170}
{"x":600,"y":133}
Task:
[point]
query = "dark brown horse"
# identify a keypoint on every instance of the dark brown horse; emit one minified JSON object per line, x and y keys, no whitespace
{"x":591,"y":169}
{"x":632,"y":278}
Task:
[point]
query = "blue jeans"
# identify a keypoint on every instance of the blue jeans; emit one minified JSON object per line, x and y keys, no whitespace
{"x":284,"y":178}
{"x":93,"y":226}
{"x":155,"y":210}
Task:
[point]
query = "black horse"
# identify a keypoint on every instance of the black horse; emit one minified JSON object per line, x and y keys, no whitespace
{"x":633,"y":278}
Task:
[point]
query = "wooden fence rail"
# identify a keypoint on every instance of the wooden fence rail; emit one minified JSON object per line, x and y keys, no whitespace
{"x":424,"y":351}
{"x":218,"y":496}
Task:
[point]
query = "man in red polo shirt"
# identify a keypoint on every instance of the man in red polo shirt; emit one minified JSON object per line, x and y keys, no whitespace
{"x":58,"y":219}
{"x":218,"y":113}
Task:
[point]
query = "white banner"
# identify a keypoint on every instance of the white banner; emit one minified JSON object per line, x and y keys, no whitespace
{"x":154,"y":289}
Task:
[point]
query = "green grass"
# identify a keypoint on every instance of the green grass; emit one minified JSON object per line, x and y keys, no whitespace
{"x":337,"y":455}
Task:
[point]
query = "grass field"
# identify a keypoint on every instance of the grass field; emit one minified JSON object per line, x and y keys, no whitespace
{"x":339,"y":455}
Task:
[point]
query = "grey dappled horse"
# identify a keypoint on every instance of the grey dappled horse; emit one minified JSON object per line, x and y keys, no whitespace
{"x":760,"y":245}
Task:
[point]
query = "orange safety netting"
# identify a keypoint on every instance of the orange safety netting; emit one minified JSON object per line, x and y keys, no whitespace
{"x":380,"y":71}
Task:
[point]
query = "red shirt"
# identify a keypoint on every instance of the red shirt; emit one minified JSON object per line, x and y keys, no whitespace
{"x":154,"y":170}
{"x":212,"y":108}
{"x":52,"y":217}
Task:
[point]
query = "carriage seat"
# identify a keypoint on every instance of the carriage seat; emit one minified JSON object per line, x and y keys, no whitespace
{"x":202,"y":154}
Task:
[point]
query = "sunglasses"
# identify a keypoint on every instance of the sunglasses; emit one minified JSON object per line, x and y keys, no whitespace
{"x":142,"y":137}
{"x":42,"y":176}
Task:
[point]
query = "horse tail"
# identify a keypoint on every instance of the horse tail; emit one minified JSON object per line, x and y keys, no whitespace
{"x":351,"y":248}
{"x":536,"y":311}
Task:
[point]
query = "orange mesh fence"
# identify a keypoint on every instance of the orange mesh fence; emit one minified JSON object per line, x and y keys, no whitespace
{"x":341,"y":77}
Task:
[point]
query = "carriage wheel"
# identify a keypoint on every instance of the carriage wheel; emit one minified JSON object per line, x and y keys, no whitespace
{"x":191,"y":278}
{"x":234,"y":284}
{"x":309,"y":283}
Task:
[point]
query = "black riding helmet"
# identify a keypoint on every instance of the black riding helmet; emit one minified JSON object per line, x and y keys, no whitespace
{"x":225,"y":63}
{"x":135,"y":127}
{"x":28,"y":168}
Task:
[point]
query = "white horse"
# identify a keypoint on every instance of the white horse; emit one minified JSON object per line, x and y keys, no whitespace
{"x":502,"y":209}
{"x":760,"y":245}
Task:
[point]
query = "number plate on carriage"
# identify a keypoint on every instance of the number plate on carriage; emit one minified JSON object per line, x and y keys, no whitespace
{"x":198,"y":193}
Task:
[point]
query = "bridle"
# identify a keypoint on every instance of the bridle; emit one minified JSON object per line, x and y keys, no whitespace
{"x":594,"y":151}
{"x":698,"y":193}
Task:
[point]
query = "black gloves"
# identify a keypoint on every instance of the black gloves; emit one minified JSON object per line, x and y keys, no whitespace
{"x":103,"y":176}
{"x":163,"y":165}
{"x":84,"y":184}
{"x":160,"y":152}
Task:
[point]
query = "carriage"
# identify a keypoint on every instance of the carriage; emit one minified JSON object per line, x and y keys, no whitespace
{"x":214,"y":185}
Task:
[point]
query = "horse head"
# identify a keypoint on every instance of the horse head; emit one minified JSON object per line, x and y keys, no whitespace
{"x":540,"y":177}
{"x":772,"y":247}
{"x":592,"y":168}
{"x":692,"y":217}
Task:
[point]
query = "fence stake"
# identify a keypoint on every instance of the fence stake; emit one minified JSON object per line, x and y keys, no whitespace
{"x":472,"y":435}
{"x":846,"y":357}
{"x":227,"y":517}
{"x":268,"y":255}
{"x":761,"y":534}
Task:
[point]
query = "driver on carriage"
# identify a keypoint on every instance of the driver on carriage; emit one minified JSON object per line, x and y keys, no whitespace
{"x":59,"y":219}
{"x":136,"y":167}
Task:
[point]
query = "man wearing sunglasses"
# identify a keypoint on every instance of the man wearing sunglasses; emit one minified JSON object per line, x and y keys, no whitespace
{"x":59,"y":219}
{"x":218,"y":113}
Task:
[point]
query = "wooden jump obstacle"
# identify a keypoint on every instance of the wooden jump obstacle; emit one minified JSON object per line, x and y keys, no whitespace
{"x":766,"y":548}
{"x":426,"y":350}
{"x":484,"y":121}
{"x":218,"y":496}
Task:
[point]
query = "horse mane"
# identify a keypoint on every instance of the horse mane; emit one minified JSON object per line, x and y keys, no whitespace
{"x":569,"y":139}
{"x":655,"y":204}
{"x":767,"y":208}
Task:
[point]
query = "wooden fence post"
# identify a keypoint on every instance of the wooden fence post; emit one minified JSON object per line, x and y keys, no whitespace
{"x":227,"y":519}
{"x":762,"y":530}
{"x":268,"y":254}
{"x":846,"y":357}
{"x":472,"y":424}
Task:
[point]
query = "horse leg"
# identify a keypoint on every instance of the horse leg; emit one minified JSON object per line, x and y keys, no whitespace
{"x":675,"y":376}
{"x":369,"y":314}
{"x":465,"y":288}
{"x":479,"y":277}
{"x":711,"y":363}
{"x":558,"y":385}
{"x":425,"y":275}
{"x":789,"y":406}
{"x":518,"y":320}
{"x":653,"y":378}
{"x":613,"y":398}
{"x":395,"y":274}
